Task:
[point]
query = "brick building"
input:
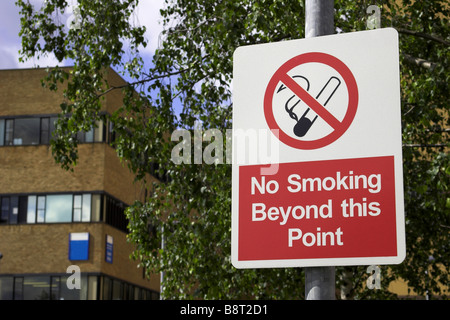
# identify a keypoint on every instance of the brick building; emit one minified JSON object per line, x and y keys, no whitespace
{"x":52,"y":219}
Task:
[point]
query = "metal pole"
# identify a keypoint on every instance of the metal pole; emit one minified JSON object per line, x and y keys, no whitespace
{"x":161,"y":282}
{"x":319,"y":20}
{"x":320,"y":283}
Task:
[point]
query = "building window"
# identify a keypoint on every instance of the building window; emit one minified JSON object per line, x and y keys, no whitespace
{"x":58,"y":208}
{"x":96,"y":207}
{"x":117,"y":290}
{"x":54,"y":287}
{"x":26,"y":131}
{"x":86,"y":208}
{"x":77,"y":200}
{"x":45,"y":131}
{"x":6,"y":288}
{"x":73,"y":294}
{"x":9,"y":128}
{"x":31,"y":209}
{"x":36,"y":288}
{"x":2,"y":132}
{"x":22,"y":207}
{"x":41,"y":209}
{"x":115,"y":214}
{"x":9,"y":210}
{"x":61,"y":208}
{"x":18,"y":288}
{"x":82,"y":207}
{"x":14,"y":210}
{"x":39,"y":130}
{"x":86,"y":137}
{"x":4,"y":210}
{"x":111,"y":133}
{"x":95,"y":134}
{"x":92,"y":293}
{"x":42,"y":287}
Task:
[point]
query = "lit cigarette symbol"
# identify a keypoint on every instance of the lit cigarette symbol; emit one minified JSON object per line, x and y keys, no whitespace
{"x":304,"y":124}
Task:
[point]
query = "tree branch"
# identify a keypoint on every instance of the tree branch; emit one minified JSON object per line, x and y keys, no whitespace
{"x":420,"y":62}
{"x":423,"y":35}
{"x":419,"y":145}
{"x":130,"y":84}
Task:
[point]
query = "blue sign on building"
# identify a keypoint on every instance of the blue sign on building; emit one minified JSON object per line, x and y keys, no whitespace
{"x":109,"y":249}
{"x":79,"y":246}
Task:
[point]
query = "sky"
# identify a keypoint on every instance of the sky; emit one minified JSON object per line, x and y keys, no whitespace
{"x":147,"y":14}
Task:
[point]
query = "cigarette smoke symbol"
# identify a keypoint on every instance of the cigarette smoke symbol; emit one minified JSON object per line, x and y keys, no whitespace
{"x":303,"y":124}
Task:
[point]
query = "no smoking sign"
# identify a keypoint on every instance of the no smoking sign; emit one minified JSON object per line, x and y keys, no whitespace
{"x":324,"y":186}
{"x":300,"y":114}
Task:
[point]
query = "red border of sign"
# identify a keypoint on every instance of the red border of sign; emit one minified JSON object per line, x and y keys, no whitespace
{"x":340,"y":127}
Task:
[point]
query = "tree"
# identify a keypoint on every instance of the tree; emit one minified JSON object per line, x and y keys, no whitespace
{"x":183,"y":227}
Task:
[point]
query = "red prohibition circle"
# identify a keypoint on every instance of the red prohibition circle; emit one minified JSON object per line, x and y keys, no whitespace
{"x":339,"y":126}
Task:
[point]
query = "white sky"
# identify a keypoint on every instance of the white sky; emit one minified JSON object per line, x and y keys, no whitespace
{"x":147,"y":14}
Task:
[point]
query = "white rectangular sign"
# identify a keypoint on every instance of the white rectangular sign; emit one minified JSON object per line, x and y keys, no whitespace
{"x":317,"y":154}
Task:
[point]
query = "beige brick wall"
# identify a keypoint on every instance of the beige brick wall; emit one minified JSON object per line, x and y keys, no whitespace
{"x":21,"y":93}
{"x":113,"y":100}
{"x":43,"y":248}
{"x":28,"y":169}
{"x":122,"y":265}
{"x":32,"y":169}
{"x":119,"y":181}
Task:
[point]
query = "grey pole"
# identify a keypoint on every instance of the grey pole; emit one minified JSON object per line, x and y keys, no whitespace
{"x":319,"y":18}
{"x":161,"y":282}
{"x":320,"y":282}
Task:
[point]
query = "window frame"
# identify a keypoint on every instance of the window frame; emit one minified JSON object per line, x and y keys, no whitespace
{"x":4,"y":209}
{"x":97,"y":134}
{"x":75,"y":217}
{"x":9,"y":132}
{"x":2,"y":132}
{"x":40,"y":218}
{"x":44,"y":134}
{"x":27,"y":130}
{"x":96,"y":206}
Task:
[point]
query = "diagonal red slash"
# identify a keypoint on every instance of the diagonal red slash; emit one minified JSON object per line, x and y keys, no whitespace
{"x":310,"y":101}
